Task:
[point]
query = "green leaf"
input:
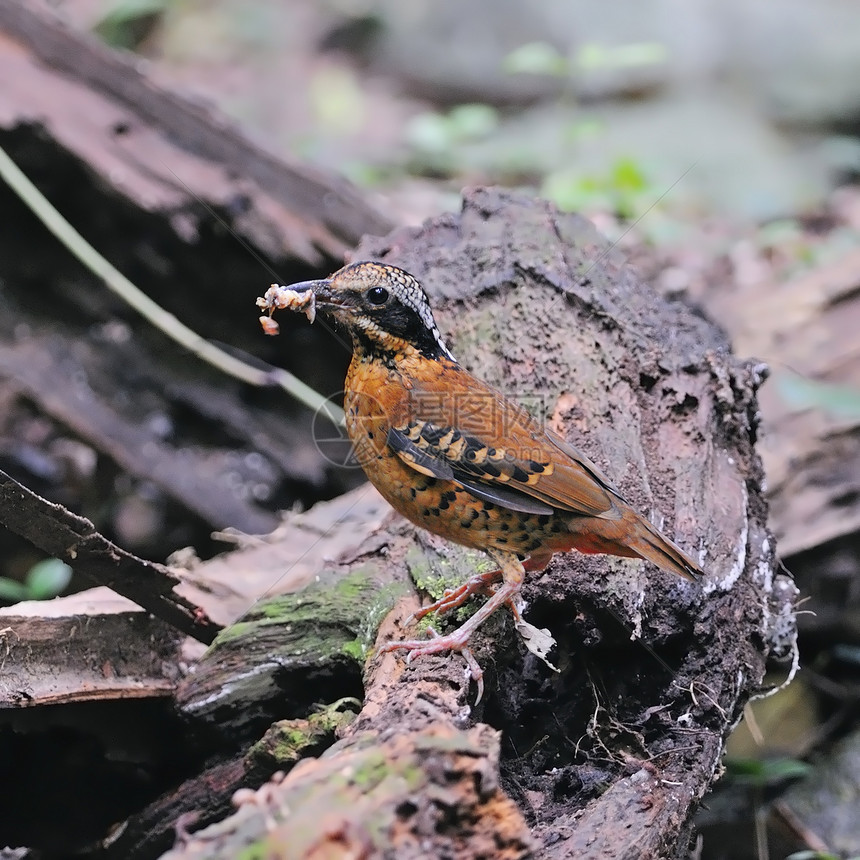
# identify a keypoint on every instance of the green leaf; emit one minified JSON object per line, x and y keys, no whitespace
{"x":847,"y":653}
{"x":337,"y":100}
{"x":12,"y":591}
{"x":47,"y":579}
{"x":627,"y":176}
{"x":765,"y":771}
{"x":813,"y":855}
{"x":128,"y":23}
{"x":472,"y":121}
{"x":429,"y":131}
{"x":437,"y":133}
{"x":536,"y":58}
{"x":593,"y":56}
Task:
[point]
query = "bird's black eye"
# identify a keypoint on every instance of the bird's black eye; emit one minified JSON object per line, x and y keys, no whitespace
{"x":377,"y":295}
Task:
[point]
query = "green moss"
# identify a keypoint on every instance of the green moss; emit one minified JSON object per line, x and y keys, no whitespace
{"x":354,"y":649}
{"x":414,"y":776}
{"x":338,"y":617}
{"x":257,"y":851}
{"x":435,"y":574}
{"x":374,"y":769}
{"x":382,"y":604}
{"x":238,"y":630}
{"x":288,"y":741}
{"x":371,"y":771}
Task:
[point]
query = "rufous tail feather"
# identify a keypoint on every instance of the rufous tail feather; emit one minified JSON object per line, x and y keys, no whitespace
{"x":661,"y":551}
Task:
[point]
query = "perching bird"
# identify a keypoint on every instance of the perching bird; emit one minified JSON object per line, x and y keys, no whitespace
{"x":457,"y":457}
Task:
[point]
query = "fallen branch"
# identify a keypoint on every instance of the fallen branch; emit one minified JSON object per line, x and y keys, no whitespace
{"x":60,"y":533}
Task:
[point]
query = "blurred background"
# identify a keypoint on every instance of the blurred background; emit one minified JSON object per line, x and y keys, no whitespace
{"x":718,"y":143}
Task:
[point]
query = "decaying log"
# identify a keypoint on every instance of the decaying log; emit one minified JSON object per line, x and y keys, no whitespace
{"x":73,"y":539}
{"x":408,"y":786}
{"x":265,"y":566}
{"x":812,"y":463}
{"x":163,"y":152}
{"x":201,"y":218}
{"x":206,"y":798}
{"x":91,"y":677}
{"x":608,"y":756}
{"x":88,"y":647}
{"x":806,"y":329}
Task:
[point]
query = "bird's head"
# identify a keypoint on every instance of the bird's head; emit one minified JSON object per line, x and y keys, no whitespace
{"x":384,"y":308}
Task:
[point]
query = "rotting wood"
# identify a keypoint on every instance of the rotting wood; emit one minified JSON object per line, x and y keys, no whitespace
{"x":73,"y":539}
{"x":806,"y":329}
{"x":67,"y":649}
{"x":207,"y":797}
{"x":162,"y":186}
{"x":609,"y":757}
{"x":428,"y":793}
{"x":284,"y":561}
{"x":163,"y":151}
{"x":89,"y":647}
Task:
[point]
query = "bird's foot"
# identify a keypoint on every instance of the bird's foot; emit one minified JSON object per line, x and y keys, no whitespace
{"x":458,"y":640}
{"x":439,"y":645}
{"x":453,"y":598}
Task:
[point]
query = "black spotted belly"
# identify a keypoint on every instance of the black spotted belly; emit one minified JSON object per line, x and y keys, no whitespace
{"x":449,"y":510}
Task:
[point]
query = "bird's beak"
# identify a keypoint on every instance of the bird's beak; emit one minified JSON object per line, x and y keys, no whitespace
{"x":324,"y":296}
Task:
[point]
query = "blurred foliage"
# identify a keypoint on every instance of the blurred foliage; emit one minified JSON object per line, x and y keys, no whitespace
{"x":818,"y":855}
{"x":445,"y":143}
{"x":337,"y":101}
{"x":765,"y":772}
{"x":536,"y":58}
{"x":43,"y":581}
{"x":128,"y":22}
{"x":781,"y":725}
{"x":841,"y":401}
{"x":437,"y":132}
{"x":594,"y":56}
{"x":435,"y":137}
{"x":541,"y":58}
{"x":847,"y":653}
{"x":624,"y":189}
{"x":793,"y":249}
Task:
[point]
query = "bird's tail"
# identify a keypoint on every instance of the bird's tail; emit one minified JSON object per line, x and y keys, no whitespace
{"x":657,"y":548}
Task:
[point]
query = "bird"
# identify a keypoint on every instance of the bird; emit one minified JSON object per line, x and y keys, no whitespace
{"x":459,"y":458}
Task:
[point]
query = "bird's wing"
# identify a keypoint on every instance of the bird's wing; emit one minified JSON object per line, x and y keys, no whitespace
{"x":437,"y":465}
{"x":458,"y":428}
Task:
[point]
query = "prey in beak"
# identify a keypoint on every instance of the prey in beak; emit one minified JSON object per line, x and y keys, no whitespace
{"x":302,"y":297}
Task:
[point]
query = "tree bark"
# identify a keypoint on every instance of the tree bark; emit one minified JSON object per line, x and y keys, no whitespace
{"x":73,"y":539}
{"x":100,"y":106}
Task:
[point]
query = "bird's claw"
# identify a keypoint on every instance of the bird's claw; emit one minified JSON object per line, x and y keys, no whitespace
{"x":453,"y":598}
{"x":438,"y":645}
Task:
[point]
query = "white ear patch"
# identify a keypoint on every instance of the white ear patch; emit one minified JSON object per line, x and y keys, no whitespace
{"x":411,"y":293}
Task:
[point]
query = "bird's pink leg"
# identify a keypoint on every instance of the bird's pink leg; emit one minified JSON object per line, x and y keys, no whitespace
{"x":512,"y":572}
{"x":481,"y":583}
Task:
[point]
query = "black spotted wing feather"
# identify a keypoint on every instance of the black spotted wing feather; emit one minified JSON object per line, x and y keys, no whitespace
{"x":430,"y":462}
{"x":470,"y":433}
